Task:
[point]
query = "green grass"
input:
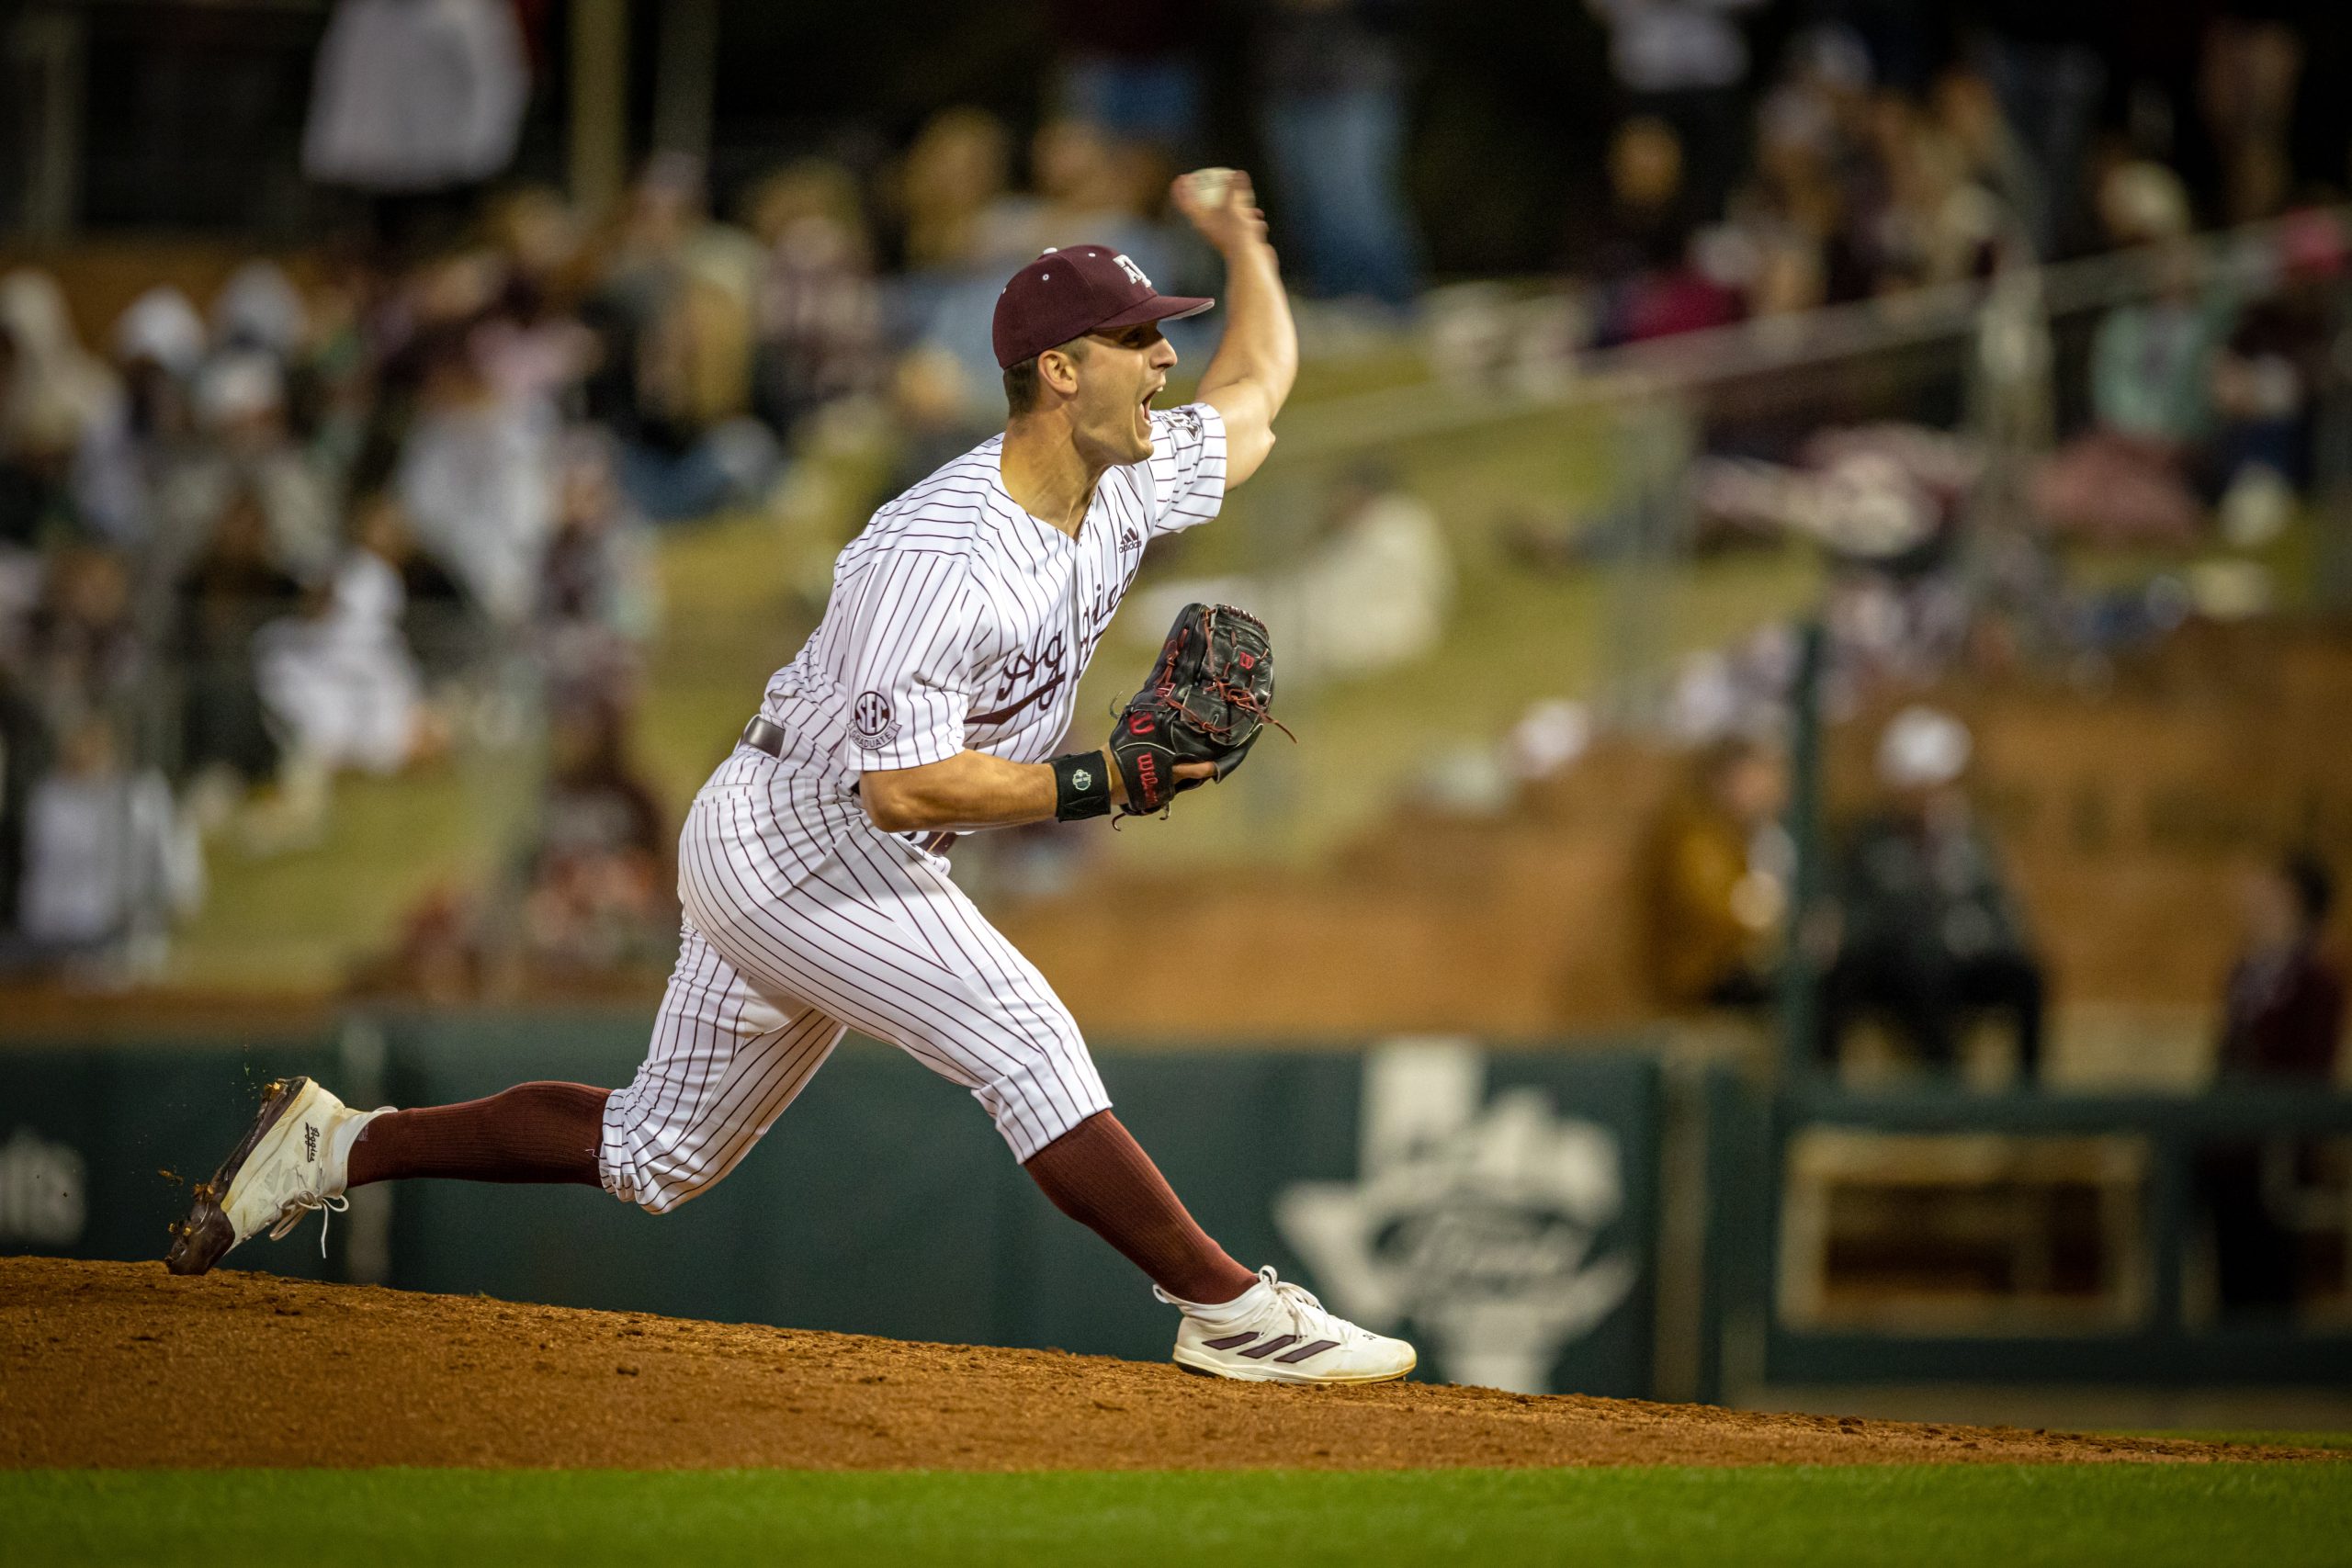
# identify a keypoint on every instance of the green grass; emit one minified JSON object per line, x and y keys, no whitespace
{"x":295,"y":921}
{"x":2149,"y":1516}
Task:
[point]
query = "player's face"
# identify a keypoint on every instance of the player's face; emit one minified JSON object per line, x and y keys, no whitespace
{"x":1121,"y":375}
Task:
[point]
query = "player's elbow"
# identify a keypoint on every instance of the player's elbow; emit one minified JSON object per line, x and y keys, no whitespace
{"x":893,"y":803}
{"x":1245,"y":454}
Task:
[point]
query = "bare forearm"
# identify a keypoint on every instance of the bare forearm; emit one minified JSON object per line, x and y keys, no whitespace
{"x":968,"y":791}
{"x":1260,"y":343}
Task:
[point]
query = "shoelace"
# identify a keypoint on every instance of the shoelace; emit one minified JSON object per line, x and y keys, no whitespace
{"x":1296,"y":1299}
{"x":302,"y":1203}
{"x":1301,"y":1303}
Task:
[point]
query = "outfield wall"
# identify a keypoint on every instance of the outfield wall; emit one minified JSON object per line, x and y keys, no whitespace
{"x":1608,"y":1220}
{"x":1505,"y":1203}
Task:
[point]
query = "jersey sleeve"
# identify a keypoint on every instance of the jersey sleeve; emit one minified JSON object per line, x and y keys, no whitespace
{"x":909,"y":683}
{"x":1187,"y":467}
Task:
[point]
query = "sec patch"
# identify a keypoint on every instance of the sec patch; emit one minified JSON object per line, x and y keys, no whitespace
{"x":872,"y":723}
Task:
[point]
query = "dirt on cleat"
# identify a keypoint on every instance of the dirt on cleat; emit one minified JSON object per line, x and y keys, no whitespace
{"x":206,"y":1233}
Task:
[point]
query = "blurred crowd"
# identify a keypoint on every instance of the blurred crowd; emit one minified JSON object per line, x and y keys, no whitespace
{"x":1874,"y":163}
{"x":1886,"y":148}
{"x":367,"y":504}
{"x":374,"y":501}
{"x":323,"y":523}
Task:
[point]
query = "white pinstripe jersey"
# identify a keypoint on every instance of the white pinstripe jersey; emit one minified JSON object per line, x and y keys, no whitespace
{"x":959,"y":622}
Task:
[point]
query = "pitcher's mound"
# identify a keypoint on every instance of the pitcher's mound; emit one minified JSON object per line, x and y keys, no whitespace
{"x":120,"y":1364}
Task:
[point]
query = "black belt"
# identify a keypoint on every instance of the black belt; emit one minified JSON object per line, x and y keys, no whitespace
{"x":764,"y":735}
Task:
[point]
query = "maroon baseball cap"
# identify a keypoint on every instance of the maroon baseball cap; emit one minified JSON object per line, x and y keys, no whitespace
{"x":1068,"y":294}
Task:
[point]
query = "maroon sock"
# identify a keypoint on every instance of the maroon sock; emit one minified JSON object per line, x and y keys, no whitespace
{"x":534,"y":1131}
{"x":1098,"y":1175}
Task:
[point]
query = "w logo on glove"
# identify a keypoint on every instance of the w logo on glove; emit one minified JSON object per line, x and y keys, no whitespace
{"x":1210,"y":693}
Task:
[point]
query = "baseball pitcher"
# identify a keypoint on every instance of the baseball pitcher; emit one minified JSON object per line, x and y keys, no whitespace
{"x":927,"y":703}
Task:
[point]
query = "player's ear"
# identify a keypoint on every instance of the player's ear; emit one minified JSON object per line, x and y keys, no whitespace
{"x":1057,"y":367}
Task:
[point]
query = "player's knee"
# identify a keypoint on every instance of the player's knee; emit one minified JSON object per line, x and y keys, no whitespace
{"x":1036,"y":1104}
{"x":657,"y":1177}
{"x":659,"y":1186}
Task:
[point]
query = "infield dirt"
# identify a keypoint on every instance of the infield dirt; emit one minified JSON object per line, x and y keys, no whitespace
{"x":122,"y":1365}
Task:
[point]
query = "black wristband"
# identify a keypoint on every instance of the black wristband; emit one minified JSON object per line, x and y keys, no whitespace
{"x":1081,"y":786}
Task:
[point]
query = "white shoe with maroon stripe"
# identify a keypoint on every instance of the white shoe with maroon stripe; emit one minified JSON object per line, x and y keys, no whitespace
{"x":1274,"y":1332}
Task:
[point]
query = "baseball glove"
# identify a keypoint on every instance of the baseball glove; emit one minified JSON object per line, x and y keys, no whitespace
{"x":1210,"y":693}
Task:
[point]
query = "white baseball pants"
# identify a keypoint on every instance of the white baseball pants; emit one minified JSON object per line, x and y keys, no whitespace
{"x":778,"y":960}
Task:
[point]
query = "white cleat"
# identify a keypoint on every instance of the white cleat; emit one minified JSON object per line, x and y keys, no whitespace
{"x":1274,"y":1332}
{"x":293,"y":1160}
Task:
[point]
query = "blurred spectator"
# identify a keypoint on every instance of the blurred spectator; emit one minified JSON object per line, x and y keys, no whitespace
{"x":82,"y":652}
{"x":158,"y":346}
{"x":2284,"y":1012}
{"x":1684,"y":62}
{"x":53,"y":396}
{"x":1714,"y":880}
{"x":537,"y":236}
{"x":412,"y":97}
{"x":2043,"y":62}
{"x":339,"y":677}
{"x":2247,"y":70}
{"x":963,"y":232}
{"x":1968,"y":112}
{"x":438,"y":620}
{"x":106,"y":863}
{"x":1884,"y":493}
{"x":1927,"y":931}
{"x":597,"y":597}
{"x":2267,"y":378}
{"x":2282,"y":1023}
{"x":1799,"y":211}
{"x":939,"y":411}
{"x":439,"y":956}
{"x":259,"y":310}
{"x":228,"y":743}
{"x":1129,"y":70}
{"x":1937,"y":224}
{"x":1093,"y":191}
{"x":246,"y":445}
{"x":1647,"y":225}
{"x":819,"y":319}
{"x":599,"y":893}
{"x":2129,"y":479}
{"x":953,"y":178}
{"x":2143,"y":203}
{"x":675,"y":310}
{"x":476,"y":480}
{"x":1330,"y":99}
{"x":1653,"y":276}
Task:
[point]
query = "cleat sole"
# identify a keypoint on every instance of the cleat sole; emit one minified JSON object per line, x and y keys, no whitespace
{"x":1289,"y":1379}
{"x":205,"y":1236}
